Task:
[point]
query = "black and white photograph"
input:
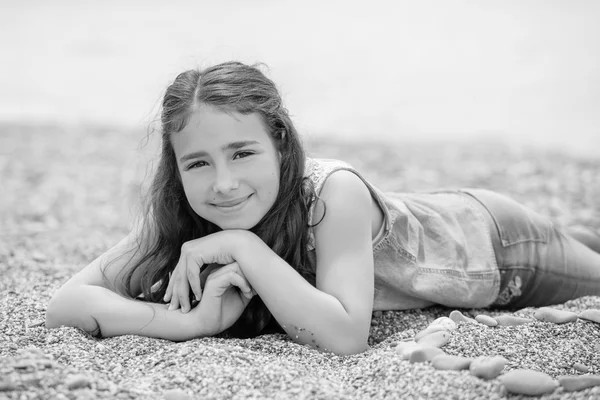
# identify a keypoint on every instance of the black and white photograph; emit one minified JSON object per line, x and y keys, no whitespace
{"x":299,"y":200}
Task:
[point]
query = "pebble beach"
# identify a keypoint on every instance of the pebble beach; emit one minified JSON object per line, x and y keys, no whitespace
{"x":70,"y":192}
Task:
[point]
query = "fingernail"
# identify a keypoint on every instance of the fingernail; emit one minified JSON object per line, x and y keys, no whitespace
{"x":197,"y":298}
{"x":170,"y":307}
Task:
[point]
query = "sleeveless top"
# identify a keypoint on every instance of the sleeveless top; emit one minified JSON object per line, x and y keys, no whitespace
{"x":432,"y":248}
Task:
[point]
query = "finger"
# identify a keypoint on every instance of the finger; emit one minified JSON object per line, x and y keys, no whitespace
{"x":183,"y":293}
{"x":223,"y":279}
{"x":237,"y":269}
{"x":174,"y":305}
{"x":234,"y":266}
{"x":169,"y":291}
{"x":175,"y":284}
{"x":185,"y":279}
{"x":247,"y":290}
{"x":193,"y":276}
{"x":241,"y":282}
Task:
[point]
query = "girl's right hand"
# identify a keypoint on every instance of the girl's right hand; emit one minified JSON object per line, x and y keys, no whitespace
{"x":225,"y":296}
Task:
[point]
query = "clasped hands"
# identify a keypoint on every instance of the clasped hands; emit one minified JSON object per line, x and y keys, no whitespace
{"x":221,"y":288}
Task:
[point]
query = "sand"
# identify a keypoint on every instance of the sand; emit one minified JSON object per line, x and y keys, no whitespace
{"x":68,"y":193}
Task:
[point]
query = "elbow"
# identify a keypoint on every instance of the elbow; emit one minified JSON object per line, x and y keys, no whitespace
{"x":60,"y":310}
{"x":350,"y":342}
{"x":68,"y":308}
{"x":352,"y":338}
{"x":355,"y":337}
{"x":53,"y":315}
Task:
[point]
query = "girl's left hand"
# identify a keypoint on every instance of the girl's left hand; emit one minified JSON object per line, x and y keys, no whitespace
{"x":226,"y":295}
{"x":217,"y":248}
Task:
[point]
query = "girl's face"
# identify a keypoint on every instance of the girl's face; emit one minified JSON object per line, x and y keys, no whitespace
{"x":229,"y":167}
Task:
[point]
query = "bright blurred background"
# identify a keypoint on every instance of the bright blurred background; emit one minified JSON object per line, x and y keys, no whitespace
{"x":525,"y":72}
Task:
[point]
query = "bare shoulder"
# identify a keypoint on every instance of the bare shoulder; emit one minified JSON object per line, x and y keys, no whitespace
{"x":346,"y":181}
{"x":343,"y":218}
{"x":343,"y":190}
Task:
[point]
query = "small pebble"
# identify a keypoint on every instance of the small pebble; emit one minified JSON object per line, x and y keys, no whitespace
{"x":435,"y":339}
{"x":424,"y":354}
{"x":486,"y":320}
{"x":377,"y":314}
{"x":446,"y":322}
{"x":573,"y":383}
{"x":176,"y":394}
{"x":487,"y":367}
{"x":555,"y":315}
{"x":451,"y":362}
{"x":581,"y":368}
{"x":405,"y":349}
{"x":77,"y":382}
{"x":430,"y":329}
{"x":102,"y":386}
{"x":185,"y":351}
{"x":511,"y":320}
{"x":591,"y":315}
{"x":24,"y":364}
{"x":458,"y":317}
{"x":38,"y":256}
{"x":6,"y":385}
{"x":528,"y":382}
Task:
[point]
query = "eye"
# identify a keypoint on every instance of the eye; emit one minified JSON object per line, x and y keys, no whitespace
{"x":196,"y":164}
{"x":242,"y":154}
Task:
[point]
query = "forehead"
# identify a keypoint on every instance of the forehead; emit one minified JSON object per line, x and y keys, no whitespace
{"x":210,"y":124}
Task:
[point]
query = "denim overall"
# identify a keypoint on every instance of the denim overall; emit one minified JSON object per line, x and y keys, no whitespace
{"x":468,"y":248}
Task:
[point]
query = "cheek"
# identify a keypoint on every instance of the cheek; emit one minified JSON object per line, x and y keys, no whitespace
{"x":274,"y":189}
{"x":193,"y":193}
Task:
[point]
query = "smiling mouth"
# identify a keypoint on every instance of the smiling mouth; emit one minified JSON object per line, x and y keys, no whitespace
{"x":231,"y":203}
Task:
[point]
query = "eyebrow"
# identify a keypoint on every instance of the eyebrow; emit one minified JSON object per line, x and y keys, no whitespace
{"x":229,"y":146}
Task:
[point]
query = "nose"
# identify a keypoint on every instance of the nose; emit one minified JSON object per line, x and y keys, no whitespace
{"x":225,"y":181}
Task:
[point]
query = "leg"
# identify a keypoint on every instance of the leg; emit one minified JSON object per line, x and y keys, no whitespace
{"x":586,"y":236}
{"x":566,"y":269}
{"x":539,"y":265}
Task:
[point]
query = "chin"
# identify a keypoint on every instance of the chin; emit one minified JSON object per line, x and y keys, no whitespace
{"x":237,"y":225}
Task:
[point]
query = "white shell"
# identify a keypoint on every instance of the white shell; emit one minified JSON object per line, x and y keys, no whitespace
{"x":446,"y":322}
{"x":406,"y":348}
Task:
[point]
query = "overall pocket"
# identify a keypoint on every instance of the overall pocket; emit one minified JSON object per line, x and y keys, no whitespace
{"x":515,"y":223}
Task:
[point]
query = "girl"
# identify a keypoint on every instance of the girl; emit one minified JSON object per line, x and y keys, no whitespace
{"x":266,"y":238}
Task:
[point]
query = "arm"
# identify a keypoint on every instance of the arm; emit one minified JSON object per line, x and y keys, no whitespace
{"x":90,"y":301}
{"x":104,"y":313}
{"x":336,"y":314}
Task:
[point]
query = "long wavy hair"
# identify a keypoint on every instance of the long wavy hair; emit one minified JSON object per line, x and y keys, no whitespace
{"x":169,"y":219}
